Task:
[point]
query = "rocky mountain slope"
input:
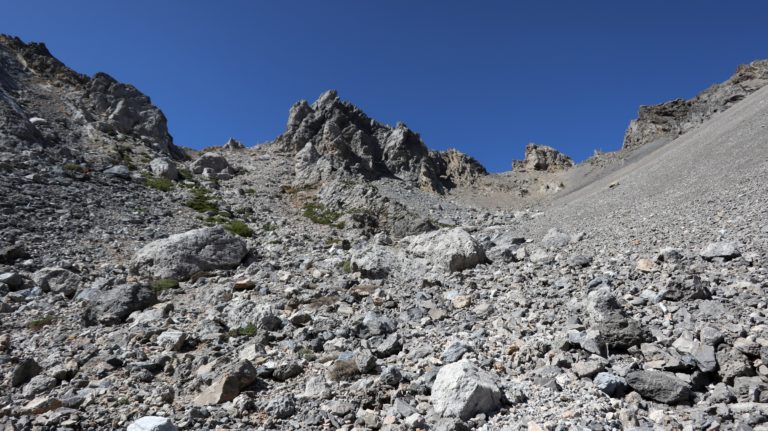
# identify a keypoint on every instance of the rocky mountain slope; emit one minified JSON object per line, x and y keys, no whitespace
{"x":346,"y":277}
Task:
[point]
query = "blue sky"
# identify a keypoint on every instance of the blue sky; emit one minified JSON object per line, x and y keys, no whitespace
{"x":485,"y":77}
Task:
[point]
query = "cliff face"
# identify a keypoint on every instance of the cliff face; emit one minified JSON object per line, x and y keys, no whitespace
{"x":671,"y":119}
{"x":542,"y":158}
{"x":332,"y":137}
{"x":45,"y":103}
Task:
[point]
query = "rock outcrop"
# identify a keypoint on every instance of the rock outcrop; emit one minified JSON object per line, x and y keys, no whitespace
{"x":671,"y":119}
{"x":542,"y":158}
{"x":43,"y":102}
{"x":182,"y":255}
{"x":332,"y":137}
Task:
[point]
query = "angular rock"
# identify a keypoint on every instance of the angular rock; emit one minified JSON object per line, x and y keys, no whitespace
{"x":542,"y":158}
{"x":611,"y":384}
{"x":113,"y":306}
{"x":182,"y":255}
{"x":725,"y":250}
{"x":164,"y":168}
{"x":449,"y":249}
{"x":57,"y":280}
{"x":152,"y":423}
{"x":24,"y":372}
{"x":659,"y":386}
{"x":228,"y":385}
{"x":213,"y":161}
{"x":462,"y":390}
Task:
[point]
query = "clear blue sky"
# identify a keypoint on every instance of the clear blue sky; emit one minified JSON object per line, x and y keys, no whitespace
{"x":485,"y":77}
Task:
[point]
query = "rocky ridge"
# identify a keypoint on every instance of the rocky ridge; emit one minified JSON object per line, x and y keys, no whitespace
{"x":671,"y":119}
{"x":226,"y":292}
{"x":331,"y":136}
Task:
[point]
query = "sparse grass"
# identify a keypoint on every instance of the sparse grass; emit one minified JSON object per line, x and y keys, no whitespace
{"x":248,"y":330}
{"x":319,"y":214}
{"x":125,"y":157}
{"x":346,"y":266}
{"x":185,"y":174}
{"x":249,"y":191}
{"x":202,"y":201}
{"x":164,"y":284}
{"x":238,"y":227}
{"x":74,"y":167}
{"x":37,"y":324}
{"x":268,"y":227}
{"x":343,"y":370}
{"x":162,"y":184}
{"x":307,"y":354}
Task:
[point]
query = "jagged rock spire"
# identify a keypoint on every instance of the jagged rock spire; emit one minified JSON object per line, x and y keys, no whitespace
{"x":333,"y":137}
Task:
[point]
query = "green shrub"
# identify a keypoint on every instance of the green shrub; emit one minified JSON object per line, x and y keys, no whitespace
{"x":37,"y":324}
{"x":238,"y":227}
{"x":202,"y":201}
{"x":248,"y":330}
{"x":162,"y":184}
{"x":164,"y":284}
{"x":319,"y":214}
{"x":346,"y":266}
{"x":185,"y":174}
{"x":74,"y":167}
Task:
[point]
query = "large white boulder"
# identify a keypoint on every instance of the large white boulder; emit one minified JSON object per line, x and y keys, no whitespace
{"x":182,"y":255}
{"x":463,"y":390}
{"x":449,"y":249}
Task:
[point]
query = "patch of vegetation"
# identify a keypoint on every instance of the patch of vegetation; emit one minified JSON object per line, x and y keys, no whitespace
{"x":162,"y":184}
{"x":185,"y":174}
{"x":164,"y":284}
{"x":319,"y":214}
{"x":202,"y":201}
{"x":268,"y":227}
{"x":249,"y":191}
{"x":124,"y":153}
{"x":37,"y":324}
{"x":238,"y":227}
{"x":248,"y":330}
{"x":307,"y":354}
{"x":346,"y":266}
{"x":74,"y":167}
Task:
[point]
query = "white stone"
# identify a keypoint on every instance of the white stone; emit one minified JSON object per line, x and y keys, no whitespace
{"x":462,"y":390}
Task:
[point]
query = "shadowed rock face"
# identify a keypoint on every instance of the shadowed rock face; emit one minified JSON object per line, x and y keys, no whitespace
{"x":542,"y":158}
{"x":331,"y":137}
{"x":671,"y":119}
{"x":44,"y":102}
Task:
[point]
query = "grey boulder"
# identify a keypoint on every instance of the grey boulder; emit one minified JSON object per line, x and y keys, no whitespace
{"x":113,"y":306}
{"x":182,"y":255}
{"x":449,"y":249}
{"x":163,"y":168}
{"x":659,"y":386}
{"x":152,"y":423}
{"x":725,"y":250}
{"x":463,"y":390}
{"x":57,"y":280}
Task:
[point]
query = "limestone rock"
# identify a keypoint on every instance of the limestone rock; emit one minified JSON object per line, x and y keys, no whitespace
{"x":228,"y":385}
{"x":164,"y":168}
{"x":57,"y":280}
{"x":215,"y":162}
{"x":659,"y":386}
{"x":182,"y":255}
{"x":332,"y":137}
{"x":152,"y":423}
{"x":115,"y":305}
{"x":669,"y":120}
{"x":450,"y":249}
{"x":462,"y":390}
{"x":542,"y":158}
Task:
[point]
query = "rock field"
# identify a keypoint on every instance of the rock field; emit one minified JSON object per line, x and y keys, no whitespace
{"x":346,"y":277}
